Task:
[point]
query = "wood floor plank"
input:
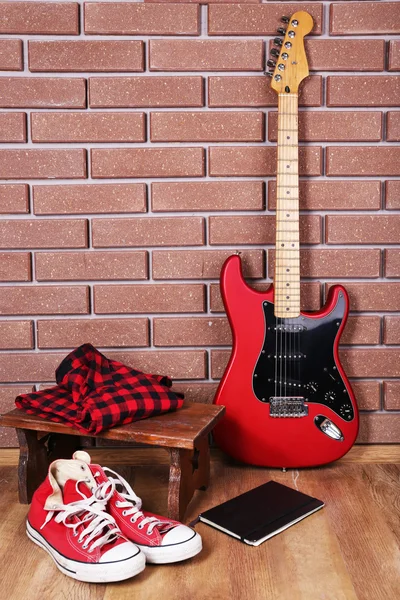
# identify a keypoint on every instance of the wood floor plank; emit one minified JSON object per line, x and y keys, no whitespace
{"x":346,"y":551}
{"x":377,"y":453}
{"x":384,"y":485}
{"x":367,"y":543}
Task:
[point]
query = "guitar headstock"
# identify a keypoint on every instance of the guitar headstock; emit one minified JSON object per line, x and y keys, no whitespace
{"x":291,"y":65}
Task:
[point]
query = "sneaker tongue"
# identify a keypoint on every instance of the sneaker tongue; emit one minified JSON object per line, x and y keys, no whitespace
{"x":73,"y":491}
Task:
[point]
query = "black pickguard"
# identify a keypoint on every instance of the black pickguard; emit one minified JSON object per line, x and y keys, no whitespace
{"x":309,"y":369}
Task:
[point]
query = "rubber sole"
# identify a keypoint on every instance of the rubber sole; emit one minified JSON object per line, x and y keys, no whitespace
{"x":173,"y":553}
{"x":90,"y":572}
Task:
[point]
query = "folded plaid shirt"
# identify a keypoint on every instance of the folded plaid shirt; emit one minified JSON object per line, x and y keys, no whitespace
{"x":94,"y":393}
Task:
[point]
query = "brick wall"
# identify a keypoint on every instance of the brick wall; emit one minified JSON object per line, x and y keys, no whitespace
{"x":135,"y":142}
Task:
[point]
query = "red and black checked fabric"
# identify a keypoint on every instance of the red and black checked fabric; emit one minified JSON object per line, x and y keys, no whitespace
{"x":94,"y":393}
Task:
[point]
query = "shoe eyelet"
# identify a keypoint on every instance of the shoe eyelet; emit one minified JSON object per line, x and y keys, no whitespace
{"x":148,"y":532}
{"x":124,"y":513}
{"x":75,"y":534}
{"x":140,"y":526}
{"x":84,"y":546}
{"x":118,"y":504}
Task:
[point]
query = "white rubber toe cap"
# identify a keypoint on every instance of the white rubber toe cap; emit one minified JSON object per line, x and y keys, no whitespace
{"x":120,"y":552}
{"x":178,"y":535}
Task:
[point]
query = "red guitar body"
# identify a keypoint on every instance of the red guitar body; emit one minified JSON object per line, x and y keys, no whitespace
{"x":288,"y":401}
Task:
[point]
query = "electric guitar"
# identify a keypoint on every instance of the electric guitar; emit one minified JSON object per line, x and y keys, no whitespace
{"x":288,"y":401}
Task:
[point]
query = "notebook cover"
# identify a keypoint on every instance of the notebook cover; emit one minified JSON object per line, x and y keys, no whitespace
{"x":260,"y":512}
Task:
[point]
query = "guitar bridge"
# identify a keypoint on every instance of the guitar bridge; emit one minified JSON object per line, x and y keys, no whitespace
{"x":287,"y":406}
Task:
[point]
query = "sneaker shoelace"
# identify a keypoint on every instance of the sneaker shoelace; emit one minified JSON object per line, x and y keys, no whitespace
{"x":132,"y":503}
{"x":90,"y":514}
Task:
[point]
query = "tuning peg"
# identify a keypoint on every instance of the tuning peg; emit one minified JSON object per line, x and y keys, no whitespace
{"x":271,"y":63}
{"x":268,"y":73}
{"x":275,"y":52}
{"x":285,"y":19}
{"x":278,"y":41}
{"x":281,"y":31}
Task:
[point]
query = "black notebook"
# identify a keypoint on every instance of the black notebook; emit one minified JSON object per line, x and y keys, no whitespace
{"x":261,"y":513}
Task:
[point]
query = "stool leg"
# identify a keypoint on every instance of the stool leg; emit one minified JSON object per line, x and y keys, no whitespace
{"x":33,"y":462}
{"x":189,"y":470}
{"x":180,"y":489}
{"x":202,"y":472}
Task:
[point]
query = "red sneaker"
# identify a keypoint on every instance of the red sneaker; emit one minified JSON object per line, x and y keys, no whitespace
{"x":161,"y":540}
{"x":68,"y":519}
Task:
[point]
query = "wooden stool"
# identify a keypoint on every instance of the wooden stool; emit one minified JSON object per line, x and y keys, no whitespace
{"x":184,"y":433}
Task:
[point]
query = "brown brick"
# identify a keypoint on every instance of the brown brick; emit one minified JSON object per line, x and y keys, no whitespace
{"x":334,"y":195}
{"x":373,"y":296}
{"x":8,"y":436}
{"x":16,"y":335}
{"x":260,"y":19}
{"x":12,"y":127}
{"x":221,"y":126}
{"x":310,"y":295}
{"x":187,"y":364}
{"x":14,"y":198}
{"x":392,"y":195}
{"x":219,"y":360}
{"x":147,"y":162}
{"x":123,"y":92}
{"x":203,"y":264}
{"x":394,"y":55}
{"x":197,"y":392}
{"x":345,"y":55}
{"x":362,"y":160}
{"x":374,"y":362}
{"x":44,"y":300}
{"x":89,"y":266}
{"x":206,"y":55}
{"x":363,"y":91}
{"x":370,"y":229}
{"x":393,"y":126}
{"x":392,"y":263}
{"x":191,"y":331}
{"x":340,"y":263}
{"x":94,"y":198}
{"x":83,"y":56}
{"x":258,"y":229}
{"x":256,"y":161}
{"x":362,"y":331}
{"x":29,"y":366}
{"x":55,"y":18}
{"x":207,"y":196}
{"x":43,"y":164}
{"x":253,"y":91}
{"x":88,"y":127}
{"x":43,"y":233}
{"x":11,"y":55}
{"x":145,"y":19}
{"x":42,"y":92}
{"x":367,"y":393}
{"x":15,"y":266}
{"x":148,"y":231}
{"x":391,"y":330}
{"x":173,"y":298}
{"x":391,"y":395}
{"x":105,"y":333}
{"x":379,"y":429}
{"x":333,"y":126}
{"x":349,"y":18}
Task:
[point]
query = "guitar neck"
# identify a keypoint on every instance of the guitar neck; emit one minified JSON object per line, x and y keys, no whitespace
{"x":287,"y":253}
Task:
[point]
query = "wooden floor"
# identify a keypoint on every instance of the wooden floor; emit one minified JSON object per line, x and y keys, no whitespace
{"x":349,"y":550}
